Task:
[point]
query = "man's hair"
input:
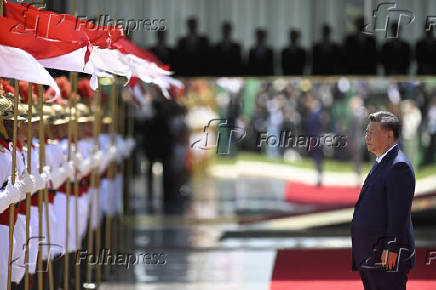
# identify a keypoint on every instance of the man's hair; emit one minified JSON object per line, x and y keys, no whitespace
{"x":388,"y":121}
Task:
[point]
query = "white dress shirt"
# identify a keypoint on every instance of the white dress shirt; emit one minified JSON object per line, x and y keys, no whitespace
{"x":380,"y":158}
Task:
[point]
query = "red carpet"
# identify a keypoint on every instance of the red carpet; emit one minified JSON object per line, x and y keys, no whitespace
{"x":331,"y":269}
{"x":337,"y":195}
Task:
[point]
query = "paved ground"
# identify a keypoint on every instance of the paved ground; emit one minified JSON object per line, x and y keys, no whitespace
{"x":201,"y":251}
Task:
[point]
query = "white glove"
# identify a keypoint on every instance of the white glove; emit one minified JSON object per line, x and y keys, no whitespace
{"x":130,"y":145}
{"x":77,"y":159}
{"x":97,"y":159}
{"x":45,"y":175}
{"x":69,"y":170}
{"x":4,"y":200}
{"x":57,"y":179}
{"x":13,"y":192}
{"x":38,"y":182}
{"x":26,"y":184}
{"x":85,"y":167}
{"x":112,"y":153}
{"x":62,"y":173}
{"x":105,"y":162}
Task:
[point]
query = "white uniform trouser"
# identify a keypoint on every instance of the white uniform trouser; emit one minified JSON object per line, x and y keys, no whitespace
{"x":4,"y":256}
{"x":103,"y":196}
{"x":83,"y":215}
{"x":34,"y":240}
{"x":18,"y":265}
{"x":61,"y":228}
{"x":108,"y":196}
{"x":54,"y":249}
{"x":95,"y":219}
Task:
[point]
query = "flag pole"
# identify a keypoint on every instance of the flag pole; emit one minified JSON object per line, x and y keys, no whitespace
{"x":97,"y":185}
{"x":40,"y":196}
{"x":14,"y":167}
{"x":28,"y":194}
{"x":44,"y":191}
{"x":124,"y":193}
{"x":94,"y":186}
{"x":115,"y":220}
{"x":68,"y":182}
{"x":68,"y":191}
{"x":76,"y":180}
{"x":111,"y":173}
{"x":130,"y":130}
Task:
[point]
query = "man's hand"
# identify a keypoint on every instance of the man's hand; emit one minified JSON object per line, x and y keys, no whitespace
{"x":389,"y":259}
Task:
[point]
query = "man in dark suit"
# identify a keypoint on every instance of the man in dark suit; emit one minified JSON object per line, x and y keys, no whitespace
{"x":294,"y":56}
{"x":260,"y":58}
{"x":163,"y":52}
{"x":360,"y":52}
{"x":192,"y":54}
{"x":395,"y":54}
{"x":424,"y":53}
{"x":383,"y":243}
{"x":227,"y":54}
{"x":326,"y":55}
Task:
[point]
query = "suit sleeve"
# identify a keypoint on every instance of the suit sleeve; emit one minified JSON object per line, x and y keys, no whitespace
{"x":400,"y":188}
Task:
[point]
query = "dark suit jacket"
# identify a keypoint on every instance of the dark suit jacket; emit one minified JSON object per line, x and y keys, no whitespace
{"x":395,"y":57}
{"x":381,"y":218}
{"x":192,"y":61}
{"x":293,"y":61}
{"x":425,"y":57}
{"x":326,"y":59}
{"x":360,"y":54}
{"x":260,"y":66}
{"x":227,"y":60}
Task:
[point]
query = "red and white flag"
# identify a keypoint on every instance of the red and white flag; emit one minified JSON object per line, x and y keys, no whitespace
{"x":18,"y":64}
{"x":91,"y":53}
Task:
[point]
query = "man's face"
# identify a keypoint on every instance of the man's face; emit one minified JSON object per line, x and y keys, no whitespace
{"x":376,"y":138}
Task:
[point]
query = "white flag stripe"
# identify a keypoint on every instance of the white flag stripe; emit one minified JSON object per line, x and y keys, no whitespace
{"x":18,"y":64}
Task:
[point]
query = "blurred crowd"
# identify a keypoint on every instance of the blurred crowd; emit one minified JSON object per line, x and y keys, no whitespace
{"x":340,"y":107}
{"x":359,"y":54}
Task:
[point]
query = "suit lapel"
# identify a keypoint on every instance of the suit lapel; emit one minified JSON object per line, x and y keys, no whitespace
{"x":371,"y":175}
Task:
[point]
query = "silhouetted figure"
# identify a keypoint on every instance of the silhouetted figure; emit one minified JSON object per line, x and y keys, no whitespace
{"x":158,"y":149}
{"x":395,"y":54}
{"x":260,"y":59}
{"x":192,"y":52}
{"x":425,"y":54}
{"x":293,"y":56}
{"x":227,"y":54}
{"x":360,"y":52}
{"x":314,"y":128}
{"x":326,"y":55}
{"x":163,"y":52}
